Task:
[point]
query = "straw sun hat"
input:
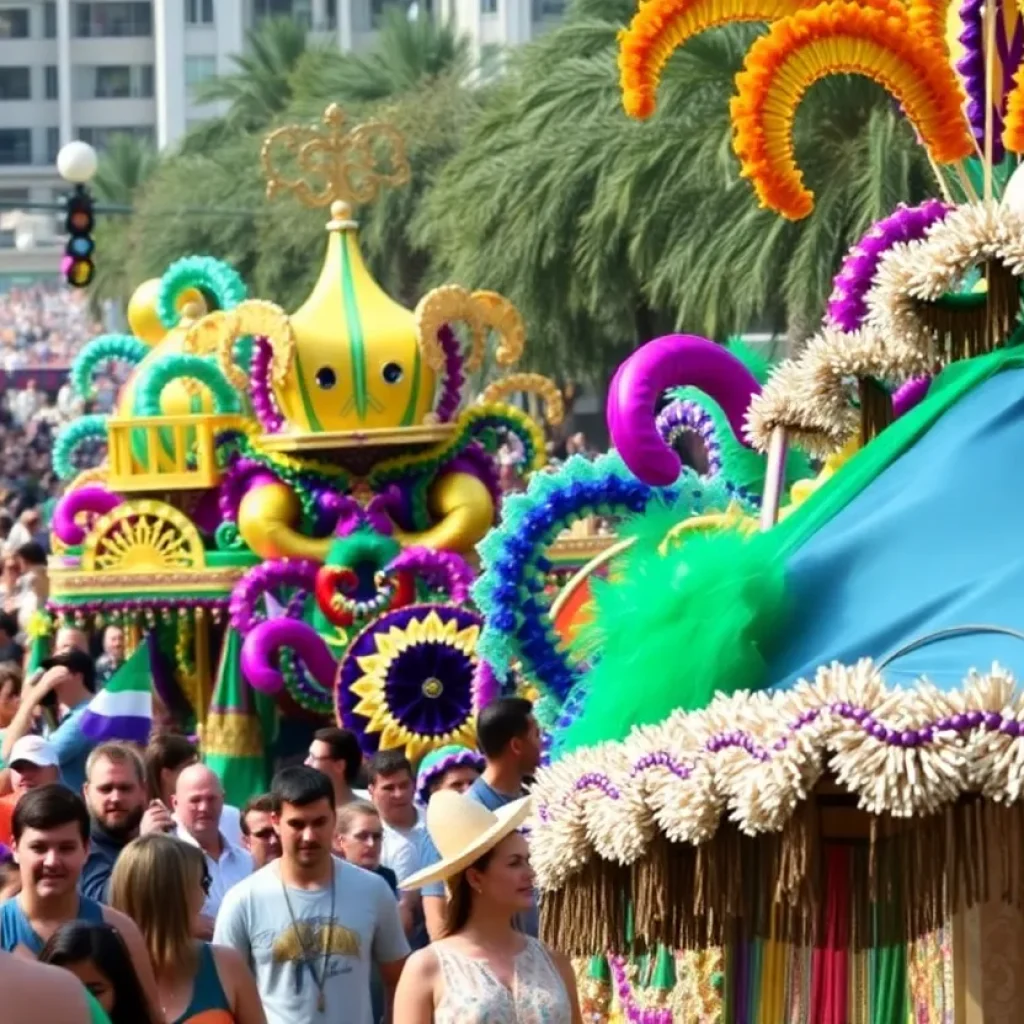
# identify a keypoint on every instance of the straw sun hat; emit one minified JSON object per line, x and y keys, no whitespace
{"x":463,"y":831}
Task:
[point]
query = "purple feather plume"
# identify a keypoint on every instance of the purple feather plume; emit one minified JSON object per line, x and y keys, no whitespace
{"x":847,"y":307}
{"x":971,"y":66}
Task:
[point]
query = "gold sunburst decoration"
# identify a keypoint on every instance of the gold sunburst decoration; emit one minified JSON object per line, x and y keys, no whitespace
{"x":143,"y":537}
{"x":408,"y":679}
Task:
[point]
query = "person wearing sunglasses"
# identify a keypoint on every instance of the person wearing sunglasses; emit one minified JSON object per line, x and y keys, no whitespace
{"x":162,"y":883}
{"x":259,"y":836}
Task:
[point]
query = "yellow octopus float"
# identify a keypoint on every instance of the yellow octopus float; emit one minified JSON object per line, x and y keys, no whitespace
{"x":278,"y":486}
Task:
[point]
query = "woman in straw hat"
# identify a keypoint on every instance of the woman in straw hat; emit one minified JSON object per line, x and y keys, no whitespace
{"x":483,"y":971}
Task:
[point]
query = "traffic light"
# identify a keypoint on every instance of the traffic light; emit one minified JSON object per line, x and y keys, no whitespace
{"x":77,"y":265}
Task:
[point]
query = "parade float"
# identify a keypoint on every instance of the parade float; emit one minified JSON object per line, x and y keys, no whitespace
{"x":786,"y":777}
{"x":285,"y":505}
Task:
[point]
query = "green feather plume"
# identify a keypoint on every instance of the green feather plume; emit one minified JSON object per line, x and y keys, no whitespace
{"x":671,"y":629}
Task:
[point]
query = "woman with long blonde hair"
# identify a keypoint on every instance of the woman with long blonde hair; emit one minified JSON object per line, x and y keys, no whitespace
{"x":161,"y":883}
{"x":483,"y":970}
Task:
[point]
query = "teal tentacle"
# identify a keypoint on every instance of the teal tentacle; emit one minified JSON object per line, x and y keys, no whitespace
{"x":220,"y":283}
{"x":510,"y":590}
{"x":107,"y":347}
{"x":742,"y":469}
{"x":175,"y":366}
{"x":83,"y":429}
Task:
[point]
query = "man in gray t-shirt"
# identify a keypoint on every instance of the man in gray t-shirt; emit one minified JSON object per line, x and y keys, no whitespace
{"x":309,"y":924}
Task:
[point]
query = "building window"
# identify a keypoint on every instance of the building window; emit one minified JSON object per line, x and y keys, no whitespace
{"x":198,"y":12}
{"x":104,"y":20}
{"x":116,"y":81}
{"x":100,"y":138}
{"x":378,"y":7}
{"x":548,"y":9}
{"x":14,"y":23}
{"x":50,"y":20}
{"x":15,"y":83}
{"x":52,"y":82}
{"x":298,"y":10}
{"x":199,"y":70}
{"x":52,"y":144}
{"x":15,"y":146}
{"x":488,"y":6}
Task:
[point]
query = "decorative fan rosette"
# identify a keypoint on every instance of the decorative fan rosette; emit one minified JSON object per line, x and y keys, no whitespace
{"x":407,"y":680}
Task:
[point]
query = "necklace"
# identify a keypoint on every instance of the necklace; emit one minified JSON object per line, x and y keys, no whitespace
{"x":309,"y":955}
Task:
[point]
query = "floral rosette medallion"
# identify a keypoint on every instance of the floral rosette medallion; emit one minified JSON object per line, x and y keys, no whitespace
{"x":407,"y":680}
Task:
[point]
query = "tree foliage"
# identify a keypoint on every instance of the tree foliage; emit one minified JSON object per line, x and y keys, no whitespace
{"x":604,"y":231}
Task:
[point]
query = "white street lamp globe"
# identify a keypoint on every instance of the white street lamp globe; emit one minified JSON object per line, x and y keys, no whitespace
{"x":76,"y":162}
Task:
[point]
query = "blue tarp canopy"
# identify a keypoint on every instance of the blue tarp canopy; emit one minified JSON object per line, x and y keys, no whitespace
{"x":936,"y":541}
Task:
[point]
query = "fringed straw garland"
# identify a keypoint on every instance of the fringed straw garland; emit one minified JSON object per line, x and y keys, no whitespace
{"x":674,"y":823}
{"x":917,"y":323}
{"x":906,"y":881}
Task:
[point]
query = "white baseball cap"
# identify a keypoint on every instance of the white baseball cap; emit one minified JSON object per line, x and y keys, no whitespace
{"x":35,"y":750}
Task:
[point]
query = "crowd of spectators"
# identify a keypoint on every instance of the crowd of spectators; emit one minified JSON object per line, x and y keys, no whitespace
{"x":43,"y":325}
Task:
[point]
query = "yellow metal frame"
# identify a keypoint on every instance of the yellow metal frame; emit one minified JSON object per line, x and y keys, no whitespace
{"x":425,"y":434}
{"x":124,"y":473}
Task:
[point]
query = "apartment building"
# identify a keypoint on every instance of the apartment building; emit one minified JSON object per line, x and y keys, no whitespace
{"x":91,"y":70}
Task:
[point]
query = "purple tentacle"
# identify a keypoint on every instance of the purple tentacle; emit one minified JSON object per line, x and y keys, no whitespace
{"x":476,"y":460}
{"x":909,"y":394}
{"x":241,"y":475}
{"x":486,"y":685}
{"x":378,"y":511}
{"x":260,"y":648}
{"x":454,"y":378}
{"x":263,"y":402}
{"x":259,"y":580}
{"x":847,"y":307}
{"x":93,"y":499}
{"x":442,"y":570}
{"x":684,"y":415}
{"x":376,"y":515}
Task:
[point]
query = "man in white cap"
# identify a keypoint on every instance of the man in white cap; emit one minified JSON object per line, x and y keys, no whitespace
{"x":34,"y":763}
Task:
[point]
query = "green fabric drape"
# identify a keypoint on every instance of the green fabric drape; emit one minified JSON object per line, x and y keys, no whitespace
{"x":698,"y":620}
{"x":233,"y":742}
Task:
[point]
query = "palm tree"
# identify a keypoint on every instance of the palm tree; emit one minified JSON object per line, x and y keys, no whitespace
{"x":408,"y":52}
{"x":125,"y":166}
{"x":607,"y":231}
{"x":260,"y":87}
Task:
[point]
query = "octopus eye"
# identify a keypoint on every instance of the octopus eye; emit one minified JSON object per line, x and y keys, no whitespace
{"x":392,"y":373}
{"x":326,"y":378}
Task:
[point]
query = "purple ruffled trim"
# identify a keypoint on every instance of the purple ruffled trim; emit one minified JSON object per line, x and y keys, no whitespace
{"x":971,"y":66}
{"x":475,"y":459}
{"x":454,"y":379}
{"x":263,"y":402}
{"x":237,"y":479}
{"x":258,"y":581}
{"x":847,"y":307}
{"x":684,"y":415}
{"x":442,"y":570}
{"x":462,"y":759}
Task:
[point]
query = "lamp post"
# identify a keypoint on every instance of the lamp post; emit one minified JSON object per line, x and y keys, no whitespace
{"x":76,"y":163}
